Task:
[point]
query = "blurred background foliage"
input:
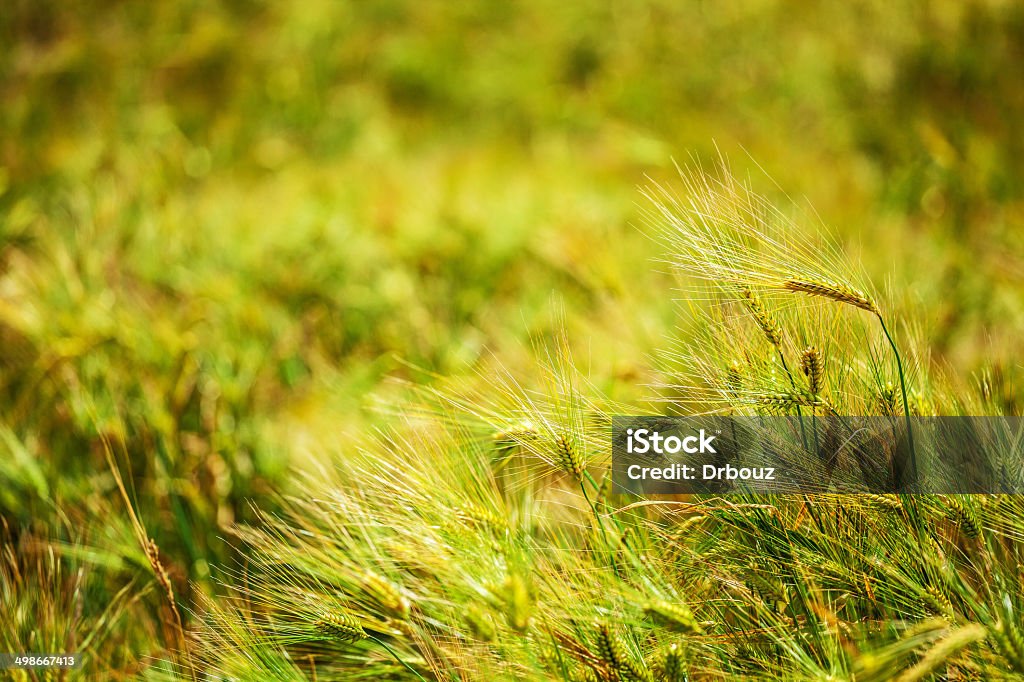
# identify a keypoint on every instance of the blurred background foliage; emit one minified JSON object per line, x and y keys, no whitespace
{"x":224,"y":225}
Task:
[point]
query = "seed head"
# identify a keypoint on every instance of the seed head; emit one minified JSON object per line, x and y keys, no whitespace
{"x":673,"y":616}
{"x":937,"y":602}
{"x":672,"y":665}
{"x":814,"y":369}
{"x":518,"y":602}
{"x":567,"y":456}
{"x":340,"y":626}
{"x":480,"y":624}
{"x":478,"y":516}
{"x":521,"y":432}
{"x":833,"y":290}
{"x":734,"y":378}
{"x":787,"y":399}
{"x":768,"y":324}
{"x":386,"y":594}
{"x":963,"y":517}
{"x":613,"y":653}
{"x":889,"y":399}
{"x":1010,"y":643}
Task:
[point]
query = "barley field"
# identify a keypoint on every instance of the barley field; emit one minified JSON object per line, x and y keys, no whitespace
{"x":314,"y":318}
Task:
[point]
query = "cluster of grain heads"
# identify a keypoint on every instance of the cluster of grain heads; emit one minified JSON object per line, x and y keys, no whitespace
{"x":675,"y":616}
{"x":618,"y":663}
{"x":340,"y":626}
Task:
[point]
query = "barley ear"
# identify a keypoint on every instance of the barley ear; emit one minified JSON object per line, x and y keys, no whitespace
{"x":832,"y":290}
{"x":567,"y":456}
{"x":340,"y":626}
{"x":813,"y":368}
{"x":673,"y":616}
{"x":615,"y":657}
{"x":768,"y":324}
{"x":672,"y":669}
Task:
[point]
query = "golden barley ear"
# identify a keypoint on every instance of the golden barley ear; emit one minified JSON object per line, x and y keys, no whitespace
{"x":162,"y":577}
{"x":888,"y":400}
{"x":943,"y":651}
{"x":475,"y":515}
{"x":734,"y":379}
{"x":813,"y":368}
{"x":832,"y":290}
{"x":936,"y":601}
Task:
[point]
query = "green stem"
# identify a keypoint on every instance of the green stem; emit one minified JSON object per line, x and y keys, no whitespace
{"x":396,"y":657}
{"x":906,"y":405}
{"x":792,"y":383}
{"x":597,"y":514}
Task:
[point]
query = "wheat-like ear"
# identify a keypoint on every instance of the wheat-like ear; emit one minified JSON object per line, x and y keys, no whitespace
{"x":814,"y":369}
{"x":673,"y":616}
{"x":615,"y":657}
{"x":567,"y":455}
{"x":480,"y":624}
{"x":672,"y":665}
{"x":340,"y":626}
{"x":840,"y":293}
{"x":936,"y":601}
{"x":518,"y":602}
{"x":963,"y":517}
{"x":765,"y":320}
{"x":786,"y":399}
{"x":387,"y":595}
